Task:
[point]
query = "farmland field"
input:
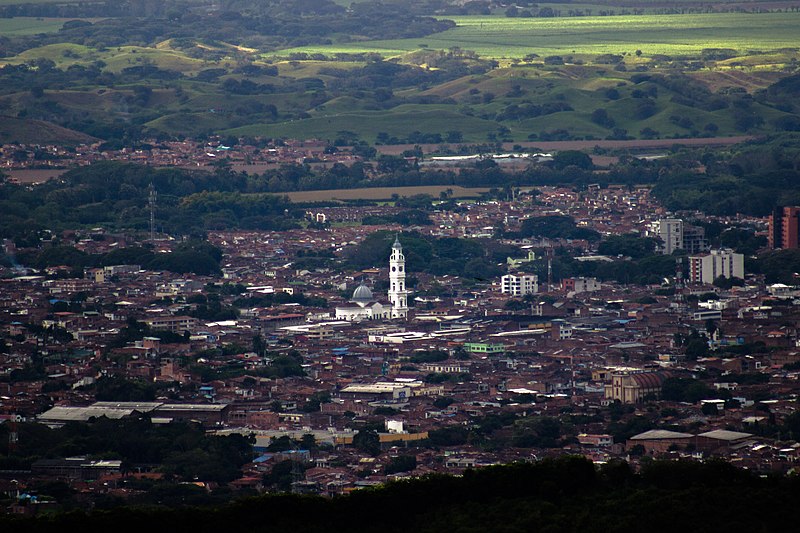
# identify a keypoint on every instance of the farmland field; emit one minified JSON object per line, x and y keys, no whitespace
{"x":502,"y":37}
{"x":30,"y":25}
{"x":15,"y":2}
{"x":382,"y":193}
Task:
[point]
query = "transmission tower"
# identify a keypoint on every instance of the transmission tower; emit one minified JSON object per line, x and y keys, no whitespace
{"x":13,"y":435}
{"x":679,"y":285}
{"x":297,"y":471}
{"x":152,"y":205}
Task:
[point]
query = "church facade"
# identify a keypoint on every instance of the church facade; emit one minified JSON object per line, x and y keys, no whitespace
{"x":364,"y":306}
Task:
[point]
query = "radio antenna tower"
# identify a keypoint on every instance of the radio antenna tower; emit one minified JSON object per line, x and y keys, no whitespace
{"x":13,"y":435}
{"x":297,"y":471}
{"x":679,"y":284}
{"x":152,"y":205}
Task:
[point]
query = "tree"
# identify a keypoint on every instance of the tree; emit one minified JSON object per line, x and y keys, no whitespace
{"x":556,"y":227}
{"x":601,"y":118}
{"x":454,"y":136}
{"x":123,"y":390}
{"x":401,"y":463}
{"x":448,"y":436}
{"x":627,"y":245}
{"x":281,"y":444}
{"x":515,"y":305}
{"x":685,"y":390}
{"x":568,"y":158}
{"x":442,"y":402}
{"x":540,"y":432}
{"x":315,"y":402}
{"x":367,"y":441}
{"x":727,"y":283}
{"x":696,"y":346}
{"x":259,"y":346}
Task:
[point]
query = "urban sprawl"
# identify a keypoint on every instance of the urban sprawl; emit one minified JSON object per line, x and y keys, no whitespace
{"x":355,"y":377}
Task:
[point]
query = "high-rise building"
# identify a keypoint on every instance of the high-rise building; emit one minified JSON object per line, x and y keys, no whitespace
{"x":707,"y":268}
{"x":694,"y":239}
{"x":784,"y":228}
{"x":675,"y":234}
{"x":670,"y":230}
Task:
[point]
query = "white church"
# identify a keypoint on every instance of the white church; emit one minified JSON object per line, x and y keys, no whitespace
{"x":364,"y":306}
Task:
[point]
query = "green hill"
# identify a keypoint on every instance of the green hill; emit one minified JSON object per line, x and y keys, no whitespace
{"x":17,"y":130}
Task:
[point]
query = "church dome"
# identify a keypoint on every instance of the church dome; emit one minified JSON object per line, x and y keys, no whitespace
{"x":362,"y":294}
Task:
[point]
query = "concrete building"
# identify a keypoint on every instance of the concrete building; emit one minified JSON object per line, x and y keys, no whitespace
{"x":657,"y":441}
{"x":784,"y":228}
{"x":707,"y":268}
{"x":675,"y":234}
{"x":721,"y":439}
{"x":694,"y":239}
{"x":578,"y":285}
{"x":175,"y":324}
{"x":383,"y":391}
{"x":519,"y":285}
{"x":670,"y":231}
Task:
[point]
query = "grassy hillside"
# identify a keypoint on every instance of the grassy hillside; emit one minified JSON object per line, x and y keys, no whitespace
{"x":482,"y":106}
{"x":16,"y":130}
{"x":400,"y":121}
{"x":491,"y":78}
{"x":65,"y":55}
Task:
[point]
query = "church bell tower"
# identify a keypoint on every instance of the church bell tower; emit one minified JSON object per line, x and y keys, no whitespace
{"x":398,"y":295}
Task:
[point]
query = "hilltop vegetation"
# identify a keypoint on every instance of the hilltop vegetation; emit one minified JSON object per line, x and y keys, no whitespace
{"x":115,"y":196}
{"x":566,"y":494}
{"x":439,"y":73}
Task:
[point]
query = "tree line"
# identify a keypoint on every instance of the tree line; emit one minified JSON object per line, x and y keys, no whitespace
{"x":564,"y":494}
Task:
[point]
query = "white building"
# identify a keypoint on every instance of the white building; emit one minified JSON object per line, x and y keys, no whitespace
{"x":519,"y":285}
{"x":707,"y":268}
{"x":670,"y":230}
{"x":398,"y":295}
{"x":364,"y":306}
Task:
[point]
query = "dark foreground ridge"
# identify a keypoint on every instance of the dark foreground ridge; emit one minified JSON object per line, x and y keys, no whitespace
{"x":565,"y":494}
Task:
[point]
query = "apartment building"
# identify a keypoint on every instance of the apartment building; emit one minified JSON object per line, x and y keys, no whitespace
{"x":519,"y":285}
{"x":706,"y":268}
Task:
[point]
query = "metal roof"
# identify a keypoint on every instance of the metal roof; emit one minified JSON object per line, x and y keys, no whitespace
{"x":656,"y":434}
{"x":724,"y":434}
